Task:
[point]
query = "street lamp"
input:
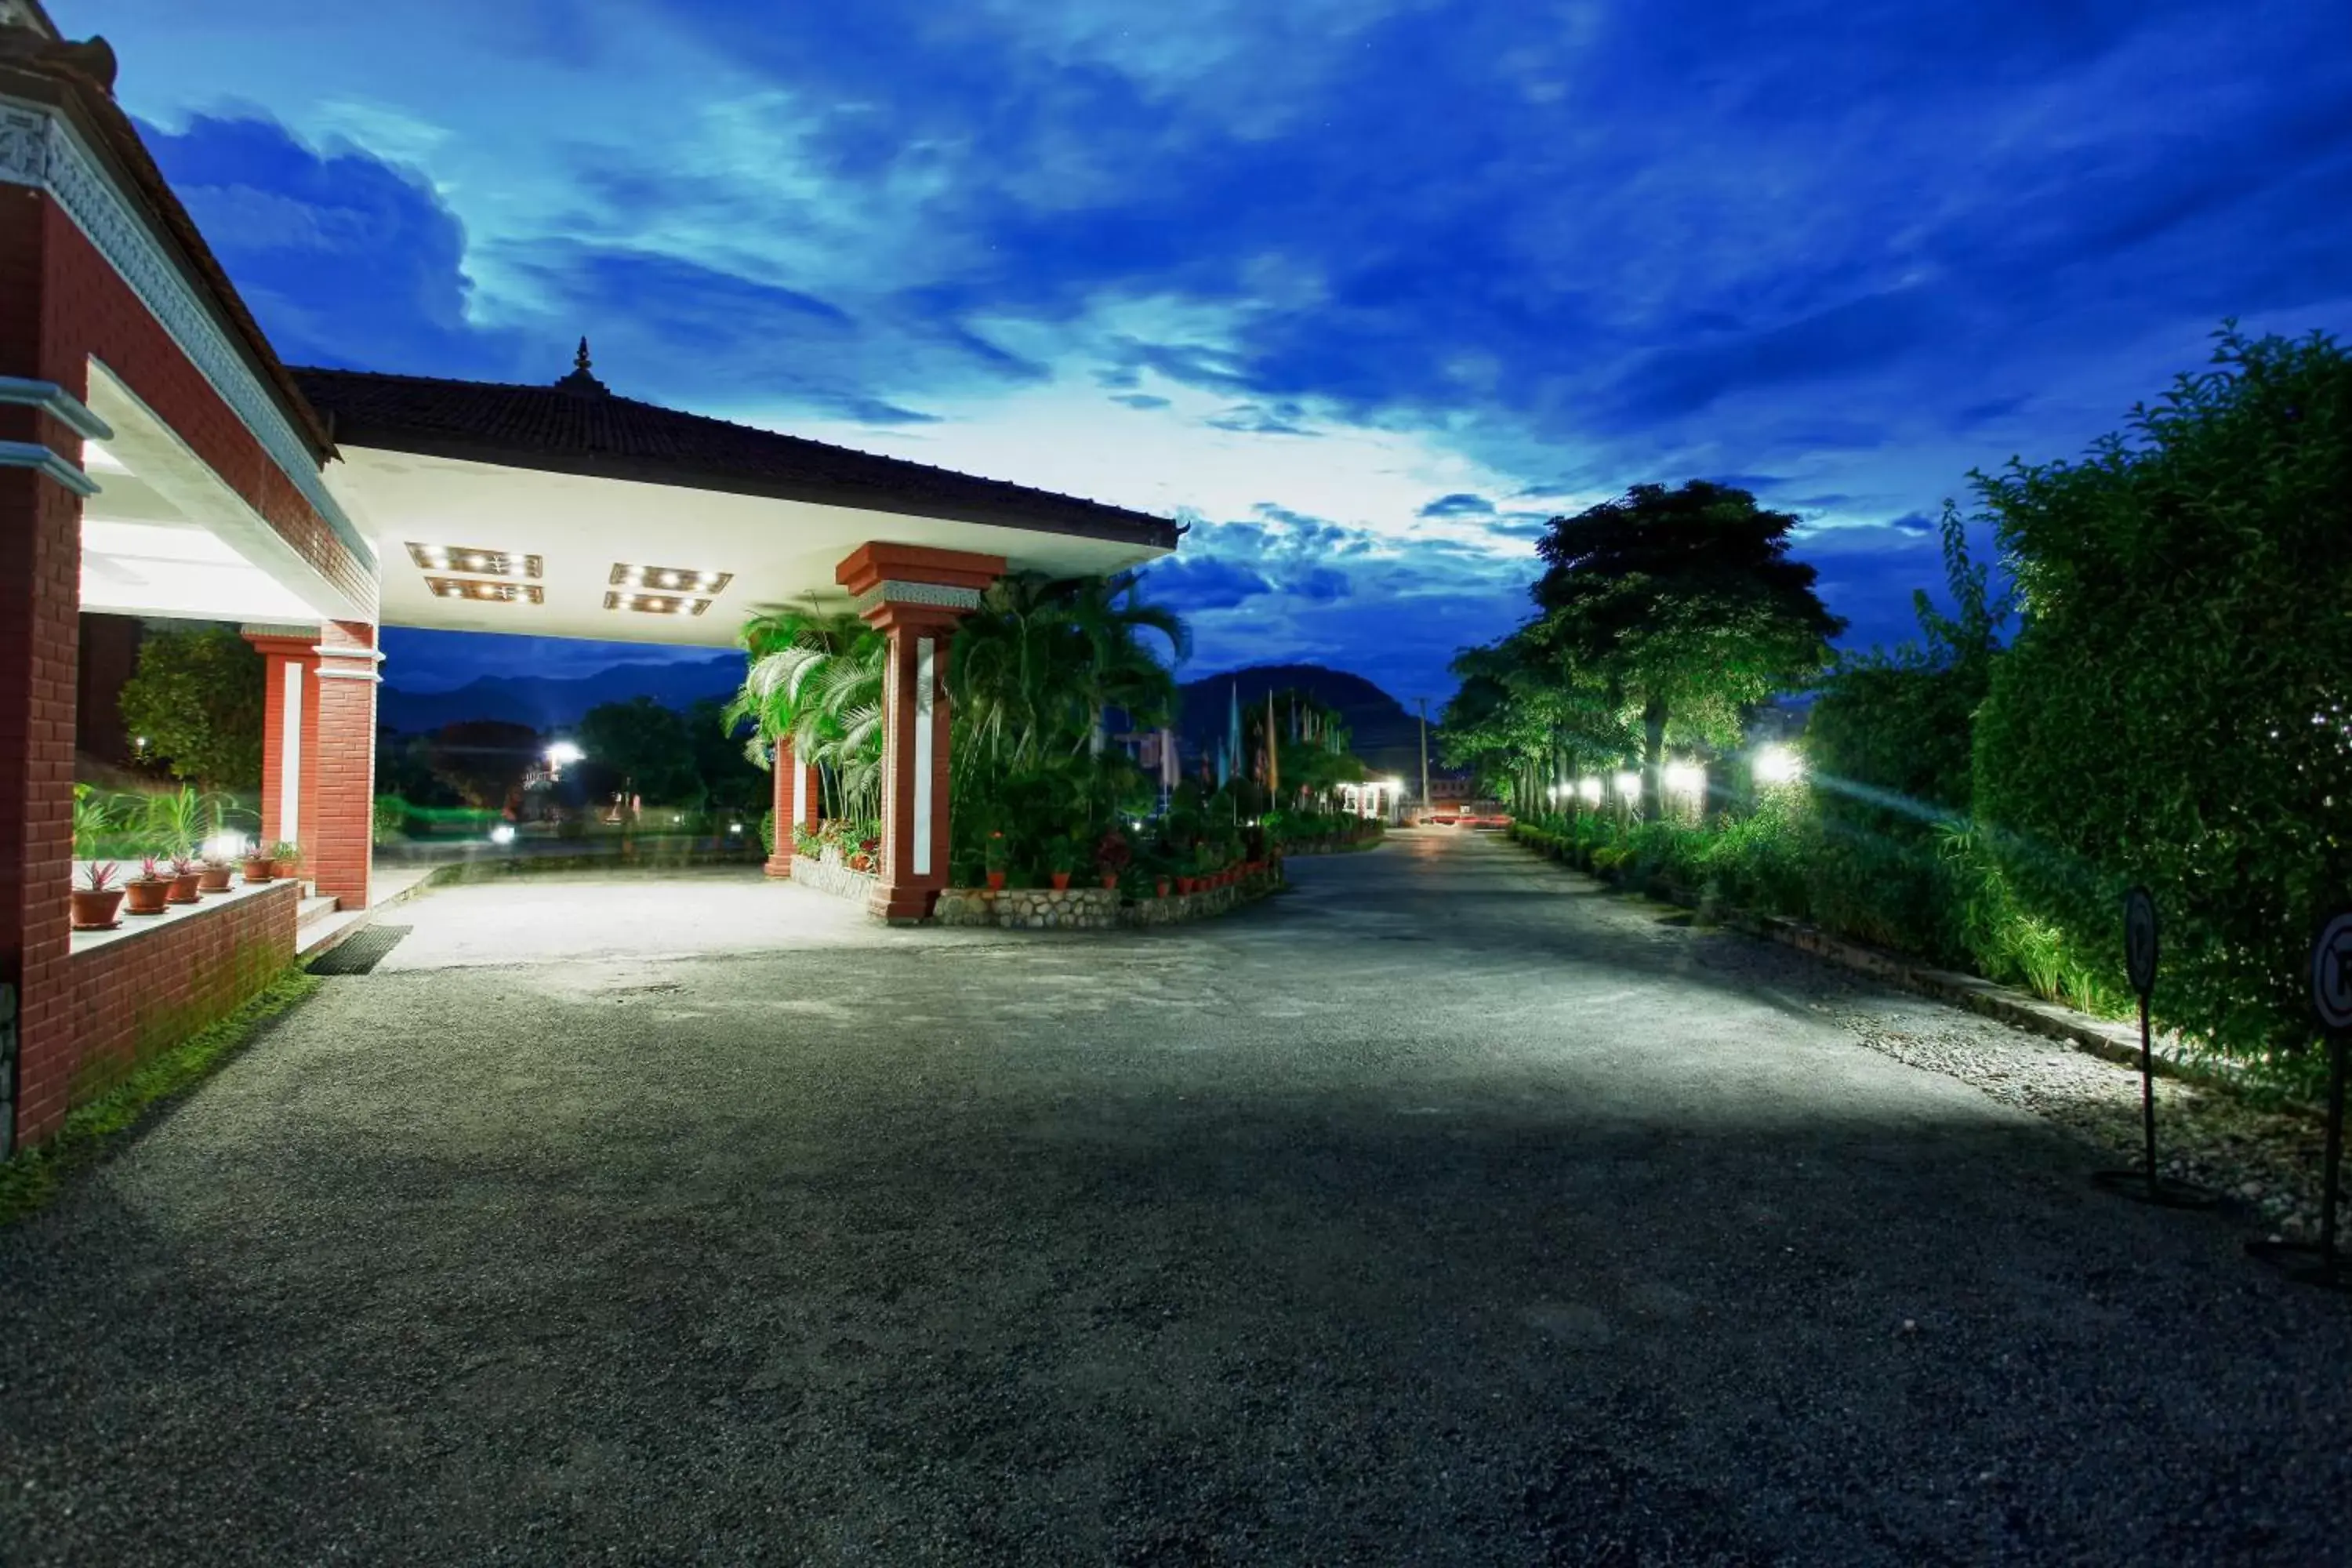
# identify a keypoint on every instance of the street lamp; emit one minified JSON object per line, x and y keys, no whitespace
{"x":561,"y":755}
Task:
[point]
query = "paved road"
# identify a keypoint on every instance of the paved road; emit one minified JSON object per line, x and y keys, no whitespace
{"x":1444,"y":1210}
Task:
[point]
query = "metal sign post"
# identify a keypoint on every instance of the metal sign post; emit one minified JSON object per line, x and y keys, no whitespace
{"x":2148,"y":1184}
{"x":2331,"y":1001}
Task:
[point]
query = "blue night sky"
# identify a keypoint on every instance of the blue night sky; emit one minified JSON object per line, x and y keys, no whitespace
{"x":1369,"y":287}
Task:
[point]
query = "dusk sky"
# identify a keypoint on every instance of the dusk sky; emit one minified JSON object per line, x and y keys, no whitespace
{"x":1368,"y":288}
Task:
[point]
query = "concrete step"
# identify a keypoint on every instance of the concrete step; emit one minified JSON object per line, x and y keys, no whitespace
{"x":316,"y":934}
{"x":312,"y":910}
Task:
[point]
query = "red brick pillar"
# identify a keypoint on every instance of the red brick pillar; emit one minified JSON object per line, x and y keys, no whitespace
{"x":915,"y":596}
{"x":289,"y":733}
{"x":341,"y":846}
{"x":798,"y":804}
{"x":40,"y":601}
{"x":318,"y":751}
{"x":41,"y":486}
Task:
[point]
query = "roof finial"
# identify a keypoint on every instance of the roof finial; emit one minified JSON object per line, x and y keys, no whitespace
{"x":581,"y":379}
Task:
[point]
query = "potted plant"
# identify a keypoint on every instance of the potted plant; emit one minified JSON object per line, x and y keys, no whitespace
{"x":996,"y":856}
{"x":1160,"y":884}
{"x":285,"y":858}
{"x":1112,"y":857}
{"x":185,"y":874}
{"x":98,"y":903}
{"x":213,"y":874}
{"x":148,"y":890}
{"x":258,"y":868}
{"x":1061,"y":860}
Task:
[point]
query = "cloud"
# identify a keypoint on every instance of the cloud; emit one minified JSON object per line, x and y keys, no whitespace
{"x":2006,"y":222}
{"x":1461,"y":503}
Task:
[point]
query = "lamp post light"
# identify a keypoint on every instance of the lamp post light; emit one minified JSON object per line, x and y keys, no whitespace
{"x":562,"y":754}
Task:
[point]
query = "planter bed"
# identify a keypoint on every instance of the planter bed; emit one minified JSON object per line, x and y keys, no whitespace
{"x":1096,"y":908}
{"x":827,"y":874}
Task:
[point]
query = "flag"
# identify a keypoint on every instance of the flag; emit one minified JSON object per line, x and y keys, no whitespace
{"x":1233,"y":728}
{"x":1224,"y":767}
{"x":1272,"y":751}
{"x":1168,"y":759}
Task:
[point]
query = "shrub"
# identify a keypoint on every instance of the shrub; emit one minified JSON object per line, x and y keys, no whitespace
{"x":2118,"y":745}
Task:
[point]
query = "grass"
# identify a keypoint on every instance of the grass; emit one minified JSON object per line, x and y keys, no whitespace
{"x":30,"y":1179}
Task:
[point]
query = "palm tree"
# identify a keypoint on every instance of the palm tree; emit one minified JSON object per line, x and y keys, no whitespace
{"x":815,"y":679}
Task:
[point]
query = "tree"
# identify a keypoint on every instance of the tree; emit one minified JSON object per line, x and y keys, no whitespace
{"x":644,"y":748}
{"x":483,"y":760}
{"x":1684,"y":608}
{"x":1889,"y":738}
{"x":817,"y":677}
{"x":196,"y":699}
{"x":2176,"y":708}
{"x":730,"y":779}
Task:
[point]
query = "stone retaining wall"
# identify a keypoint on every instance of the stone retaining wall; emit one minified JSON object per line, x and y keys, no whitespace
{"x":829,"y":875}
{"x":1096,"y":908}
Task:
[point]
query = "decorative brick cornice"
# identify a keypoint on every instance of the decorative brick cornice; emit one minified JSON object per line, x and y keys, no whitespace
{"x":883,"y":565}
{"x":39,"y":149}
{"x":930,"y":595}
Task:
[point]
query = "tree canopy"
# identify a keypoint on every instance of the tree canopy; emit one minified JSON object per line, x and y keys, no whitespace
{"x":196,"y":699}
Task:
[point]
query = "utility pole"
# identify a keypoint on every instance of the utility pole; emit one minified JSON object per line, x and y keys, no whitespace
{"x":1423,"y":703}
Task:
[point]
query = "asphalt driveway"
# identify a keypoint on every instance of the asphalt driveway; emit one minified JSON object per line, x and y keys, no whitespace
{"x":1443,"y":1210}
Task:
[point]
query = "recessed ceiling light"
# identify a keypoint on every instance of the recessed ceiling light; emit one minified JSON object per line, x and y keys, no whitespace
{"x":475,"y":558}
{"x":685,"y":579}
{"x":488,"y":593}
{"x":656,"y":603}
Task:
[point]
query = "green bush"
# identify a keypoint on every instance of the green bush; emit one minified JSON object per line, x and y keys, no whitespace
{"x":2175,"y":709}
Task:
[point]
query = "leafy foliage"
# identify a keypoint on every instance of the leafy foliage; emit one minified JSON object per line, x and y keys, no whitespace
{"x":2177,"y":708}
{"x":196,"y":697}
{"x":640,"y":748}
{"x":483,"y":760}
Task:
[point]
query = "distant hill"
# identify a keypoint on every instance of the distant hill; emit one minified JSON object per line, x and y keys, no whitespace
{"x":547,"y":703}
{"x":1387,"y":734}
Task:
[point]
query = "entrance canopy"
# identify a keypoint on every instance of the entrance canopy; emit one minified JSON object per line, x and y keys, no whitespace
{"x":566,"y":511}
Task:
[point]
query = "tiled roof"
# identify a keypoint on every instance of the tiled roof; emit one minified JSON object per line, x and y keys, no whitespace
{"x":580,"y":428}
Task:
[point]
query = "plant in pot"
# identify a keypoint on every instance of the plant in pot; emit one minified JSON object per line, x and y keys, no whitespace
{"x":285,"y":858}
{"x":98,"y":902}
{"x":258,"y":868}
{"x":996,"y":859}
{"x":1061,"y":860}
{"x":1112,"y":857}
{"x":213,"y":872}
{"x":148,"y":890}
{"x":185,"y":874}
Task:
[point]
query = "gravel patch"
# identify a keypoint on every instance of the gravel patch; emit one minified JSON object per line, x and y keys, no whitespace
{"x":1442,"y":1211}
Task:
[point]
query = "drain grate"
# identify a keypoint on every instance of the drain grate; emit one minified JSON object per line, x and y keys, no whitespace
{"x":360,"y":952}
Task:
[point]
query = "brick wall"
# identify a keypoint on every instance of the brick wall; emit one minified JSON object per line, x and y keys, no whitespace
{"x":60,"y":305}
{"x":149,"y":992}
{"x":339,"y":756}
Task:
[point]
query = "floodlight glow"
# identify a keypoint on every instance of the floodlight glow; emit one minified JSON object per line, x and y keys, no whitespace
{"x":1628,"y":785}
{"x":1590,"y":790}
{"x":225,"y":847}
{"x":503,"y":834}
{"x":1686,"y":778}
{"x":1777,"y":765}
{"x":734,"y":828}
{"x":563,"y":754}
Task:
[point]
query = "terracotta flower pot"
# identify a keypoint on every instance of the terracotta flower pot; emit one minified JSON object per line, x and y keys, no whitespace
{"x":1110,"y":881}
{"x":1061,"y":881}
{"x":996,"y":881}
{"x":147,"y":898}
{"x":1185,"y":884}
{"x":282,"y":868}
{"x":183,"y":889}
{"x":1160,"y":886}
{"x":100,"y":910}
{"x":212,"y":878}
{"x":258,"y":869}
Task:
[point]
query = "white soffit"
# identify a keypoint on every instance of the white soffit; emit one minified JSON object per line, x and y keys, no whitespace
{"x":776,"y":552}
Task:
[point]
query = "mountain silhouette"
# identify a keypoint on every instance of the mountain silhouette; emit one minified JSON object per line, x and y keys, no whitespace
{"x":546,"y":703}
{"x":1383,"y":731}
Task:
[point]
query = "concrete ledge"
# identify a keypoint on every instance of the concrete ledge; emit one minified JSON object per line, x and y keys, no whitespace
{"x":826,"y":874}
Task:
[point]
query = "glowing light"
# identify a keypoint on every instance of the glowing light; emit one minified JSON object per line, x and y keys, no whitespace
{"x":734,"y":828}
{"x":503,"y":834}
{"x":1686,"y":778}
{"x":1777,"y":765}
{"x":1628,"y":785}
{"x":1591,"y":789}
{"x":225,"y":847}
